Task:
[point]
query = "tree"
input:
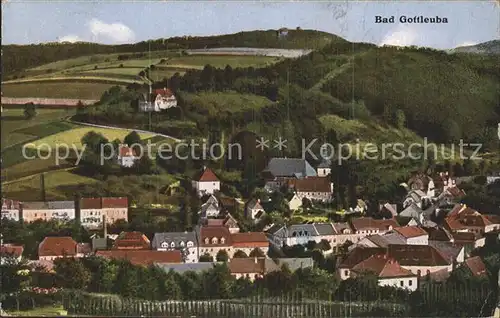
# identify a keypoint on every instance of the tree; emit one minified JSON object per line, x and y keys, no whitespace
{"x":400,"y":119}
{"x":94,"y":141}
{"x":29,"y":110}
{"x":71,"y":273}
{"x":206,"y":258}
{"x":222,"y":256}
{"x":132,"y":138}
{"x":451,"y":131}
{"x":240,"y":254}
{"x":257,"y":252}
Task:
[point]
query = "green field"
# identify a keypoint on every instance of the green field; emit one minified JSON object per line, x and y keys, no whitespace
{"x":47,"y":89}
{"x":220,"y":61}
{"x":74,"y":136}
{"x":159,"y":74}
{"x":225,"y":102}
{"x":117,"y":71}
{"x":31,"y":167}
{"x":16,"y":129}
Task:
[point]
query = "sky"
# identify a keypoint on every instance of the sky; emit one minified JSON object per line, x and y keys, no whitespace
{"x":114,"y":22}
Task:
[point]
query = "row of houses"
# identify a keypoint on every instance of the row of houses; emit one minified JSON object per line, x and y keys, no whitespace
{"x":89,"y":211}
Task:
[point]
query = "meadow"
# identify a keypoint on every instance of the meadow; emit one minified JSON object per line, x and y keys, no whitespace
{"x":56,"y":90}
{"x":220,"y":61}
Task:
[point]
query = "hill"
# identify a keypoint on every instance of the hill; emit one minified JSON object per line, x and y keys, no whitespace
{"x":20,"y":57}
{"x":490,"y":47}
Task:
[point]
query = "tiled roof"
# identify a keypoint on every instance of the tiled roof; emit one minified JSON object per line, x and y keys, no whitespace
{"x":340,"y":227}
{"x":290,"y":167}
{"x":126,"y":151}
{"x":167,"y":92}
{"x":90,"y":203}
{"x":463,"y":237}
{"x":132,"y":240}
{"x":476,"y":266}
{"x":368,"y":223}
{"x":359,"y":254}
{"x":385,"y":240}
{"x":382,"y":266}
{"x":250,"y":239}
{"x":275,"y":228}
{"x":57,"y":246}
{"x":492,"y":219}
{"x":324,"y":229}
{"x":116,"y":202}
{"x":311,"y":184}
{"x":11,"y":250}
{"x":410,"y":231}
{"x":417,"y":255}
{"x":83,"y":248}
{"x":207,"y":175}
{"x":412,"y":211}
{"x":35,"y":205}
{"x":449,"y":250}
{"x":211,"y":232}
{"x":438,"y":234}
{"x":456,"y":192}
{"x":175,"y":237}
{"x":251,"y":265}
{"x":143,"y":257}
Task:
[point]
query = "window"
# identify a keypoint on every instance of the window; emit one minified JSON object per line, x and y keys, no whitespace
{"x":206,"y":240}
{"x":222,"y":240}
{"x":402,"y":283}
{"x":182,"y":244}
{"x":419,"y":273}
{"x":346,"y":272}
{"x":214,"y":240}
{"x":164,"y":244}
{"x":410,"y":282}
{"x":172,"y":244}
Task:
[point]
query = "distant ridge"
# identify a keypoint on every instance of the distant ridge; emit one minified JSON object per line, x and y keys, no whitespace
{"x":490,"y":47}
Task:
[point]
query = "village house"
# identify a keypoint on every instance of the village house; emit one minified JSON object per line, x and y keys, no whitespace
{"x":11,"y":210}
{"x":451,"y":195}
{"x":442,"y":182}
{"x":126,"y":156}
{"x":453,"y":253}
{"x":354,"y":257}
{"x":313,"y":188}
{"x":229,"y":222}
{"x":388,"y":209}
{"x":212,"y":239}
{"x":388,"y":272}
{"x":422,"y":182}
{"x":420,"y":259}
{"x":251,"y":268}
{"x":10,"y":252}
{"x":377,"y":240}
{"x":131,"y":241}
{"x":164,"y":99}
{"x":248,"y":241}
{"x":295,"y":202}
{"x":280,"y":170}
{"x":282,"y":33}
{"x":52,"y":210}
{"x":143,"y":257}
{"x":324,"y":168}
{"x":94,"y":210}
{"x":206,"y":182}
{"x":368,"y":225}
{"x":210,"y":209}
{"x":185,"y":242}
{"x":343,"y":233}
{"x":53,"y":247}
{"x":417,"y":197}
{"x":412,"y":235}
{"x":476,"y":267}
{"x":464,"y":219}
{"x":254,"y":210}
{"x":296,"y":234}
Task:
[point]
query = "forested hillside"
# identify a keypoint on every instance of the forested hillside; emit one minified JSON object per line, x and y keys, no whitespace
{"x":19,"y":57}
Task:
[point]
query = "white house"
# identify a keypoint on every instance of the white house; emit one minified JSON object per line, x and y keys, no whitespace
{"x":94,"y":210}
{"x":313,"y":188}
{"x":324,"y":168}
{"x":412,"y":235}
{"x":126,"y":156}
{"x":254,"y":210}
{"x":206,"y":182}
{"x":210,"y":209}
{"x":10,"y":209}
{"x":164,"y":99}
{"x":52,"y":210}
{"x":184,"y":241}
{"x":10,"y":251}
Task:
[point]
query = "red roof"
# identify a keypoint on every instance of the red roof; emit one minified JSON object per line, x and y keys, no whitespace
{"x":8,"y":204}
{"x":118,"y":202}
{"x":57,"y":246}
{"x":311,"y":184}
{"x":126,"y":151}
{"x":250,"y":239}
{"x":382,"y":266}
{"x":368,"y":223}
{"x":11,"y":250}
{"x":476,"y":266}
{"x":132,"y":241}
{"x":207,"y":175}
{"x":410,"y":231}
{"x":217,"y":232}
{"x":143,"y":257}
{"x":166,"y":92}
{"x":90,"y":203}
{"x":247,"y":265}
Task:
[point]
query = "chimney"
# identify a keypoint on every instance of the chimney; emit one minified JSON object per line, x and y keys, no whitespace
{"x":105,"y":226}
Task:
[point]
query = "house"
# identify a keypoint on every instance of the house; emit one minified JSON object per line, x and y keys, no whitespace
{"x":313,"y":188}
{"x":228,"y":205}
{"x":412,"y":235}
{"x":11,"y":210}
{"x":451,"y":195}
{"x":360,"y":207}
{"x":280,"y":170}
{"x":251,"y":268}
{"x":454,"y":253}
{"x":388,"y":272}
{"x":126,"y":156}
{"x":212,"y":239}
{"x":209,"y":209}
{"x":368,"y":225}
{"x":254,"y":210}
{"x":94,"y":210}
{"x":52,"y":210}
{"x":296,"y":234}
{"x":377,"y":240}
{"x":206,"y":182}
{"x":464,"y":219}
{"x":443,"y":181}
{"x":413,"y":211}
{"x":10,"y":251}
{"x":419,"y":259}
{"x":143,"y":257}
{"x":248,"y":241}
{"x":295,"y":202}
{"x":53,"y":247}
{"x":389,"y":209}
{"x":417,"y":197}
{"x":407,"y":221}
{"x":164,"y":99}
{"x":185,"y":242}
{"x":356,"y":256}
{"x":131,"y":241}
{"x":324,"y":168}
{"x":282,"y":33}
{"x":231,"y":223}
{"x":343,"y":233}
{"x":476,"y":267}
{"x":423,"y":183}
